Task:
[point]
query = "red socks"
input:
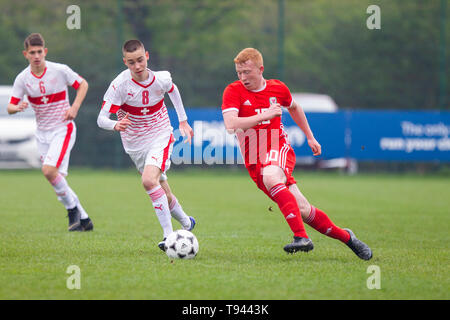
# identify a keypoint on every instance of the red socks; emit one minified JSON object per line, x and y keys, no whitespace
{"x":317,"y":218}
{"x":320,"y":221}
{"x":289,"y":207}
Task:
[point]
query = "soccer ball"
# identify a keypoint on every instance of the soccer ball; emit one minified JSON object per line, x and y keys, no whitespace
{"x":181,"y":244}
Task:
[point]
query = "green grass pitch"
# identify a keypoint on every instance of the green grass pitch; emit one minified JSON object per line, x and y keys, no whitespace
{"x":404,"y":218}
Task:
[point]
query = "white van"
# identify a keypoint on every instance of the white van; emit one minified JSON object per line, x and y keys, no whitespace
{"x":18,"y":148}
{"x":314,"y":102}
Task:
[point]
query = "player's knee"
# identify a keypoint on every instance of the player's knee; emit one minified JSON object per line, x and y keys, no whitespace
{"x":269,"y":182}
{"x":305,"y":209}
{"x":150,"y":182}
{"x":272,"y":176}
{"x":49,"y":172}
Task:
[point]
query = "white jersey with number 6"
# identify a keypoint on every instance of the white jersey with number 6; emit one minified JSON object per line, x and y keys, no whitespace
{"x":47,"y":93}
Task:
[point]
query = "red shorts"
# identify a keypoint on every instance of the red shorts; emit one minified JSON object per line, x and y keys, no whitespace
{"x":283,"y":158}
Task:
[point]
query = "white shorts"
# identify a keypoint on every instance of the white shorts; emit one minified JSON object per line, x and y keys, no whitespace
{"x":54,"y":146}
{"x":156,"y":154}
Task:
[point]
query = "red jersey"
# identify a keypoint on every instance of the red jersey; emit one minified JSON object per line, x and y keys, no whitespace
{"x":257,"y":142}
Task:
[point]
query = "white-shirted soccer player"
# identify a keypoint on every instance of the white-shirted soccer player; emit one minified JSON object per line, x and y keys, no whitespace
{"x":45,"y":84}
{"x":137,"y":97}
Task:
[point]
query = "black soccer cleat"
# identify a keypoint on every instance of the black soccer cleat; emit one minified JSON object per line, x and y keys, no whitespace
{"x":299,"y":244}
{"x":86,"y":224}
{"x":361,"y":249}
{"x":162,"y":245}
{"x":74,"y":219}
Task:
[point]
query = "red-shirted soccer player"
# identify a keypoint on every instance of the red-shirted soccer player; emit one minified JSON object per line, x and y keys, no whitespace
{"x":252,"y":108}
{"x":45,"y":84}
{"x":137,"y":97}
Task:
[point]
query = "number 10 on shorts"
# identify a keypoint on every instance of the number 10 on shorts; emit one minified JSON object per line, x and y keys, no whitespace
{"x":272,"y":156}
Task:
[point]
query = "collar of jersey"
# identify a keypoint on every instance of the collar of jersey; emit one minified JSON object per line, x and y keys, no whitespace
{"x":263,"y":87}
{"x":143,"y":86}
{"x":40,"y":77}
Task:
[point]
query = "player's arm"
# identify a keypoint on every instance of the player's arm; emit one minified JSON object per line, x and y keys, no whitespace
{"x":104,"y":121}
{"x":17,"y":103}
{"x":233,"y":122}
{"x":72,"y":112}
{"x":185,"y":128}
{"x":112,"y":101}
{"x":298,"y":115}
{"x":19,"y":107}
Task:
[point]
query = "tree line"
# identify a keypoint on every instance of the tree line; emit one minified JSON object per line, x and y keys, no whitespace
{"x":319,"y":46}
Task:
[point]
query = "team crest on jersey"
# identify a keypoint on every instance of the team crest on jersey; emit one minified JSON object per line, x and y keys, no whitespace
{"x":273,"y":100}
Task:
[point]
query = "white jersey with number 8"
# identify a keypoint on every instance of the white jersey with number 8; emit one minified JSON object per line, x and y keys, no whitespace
{"x":145,"y":105}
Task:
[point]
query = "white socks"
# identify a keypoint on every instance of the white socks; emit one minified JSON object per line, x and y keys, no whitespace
{"x":177,"y":212}
{"x":160,"y":203}
{"x":166,"y":212}
{"x":63,"y":192}
{"x":83,"y":212}
{"x":66,"y":195}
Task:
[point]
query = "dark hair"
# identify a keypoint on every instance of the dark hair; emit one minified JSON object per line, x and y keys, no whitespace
{"x":132,"y":46}
{"x":34,"y":39}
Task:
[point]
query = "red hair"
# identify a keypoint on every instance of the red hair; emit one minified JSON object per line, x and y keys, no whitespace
{"x":249,"y":54}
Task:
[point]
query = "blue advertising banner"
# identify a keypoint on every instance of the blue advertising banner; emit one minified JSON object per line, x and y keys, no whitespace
{"x":330,"y":130}
{"x":400,"y":135}
{"x":361,"y":135}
